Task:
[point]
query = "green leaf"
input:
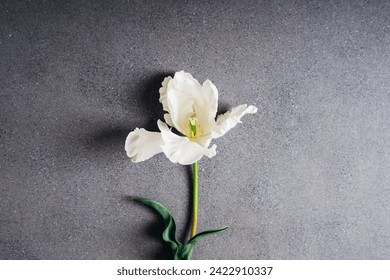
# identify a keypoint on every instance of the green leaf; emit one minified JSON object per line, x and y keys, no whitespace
{"x":169,"y":233}
{"x":179,"y":251}
{"x":186,"y":251}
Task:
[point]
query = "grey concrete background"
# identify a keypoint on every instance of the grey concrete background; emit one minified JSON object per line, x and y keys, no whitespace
{"x":307,"y":177}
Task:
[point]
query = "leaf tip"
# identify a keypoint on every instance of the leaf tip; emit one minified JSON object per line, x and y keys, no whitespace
{"x":136,"y":199}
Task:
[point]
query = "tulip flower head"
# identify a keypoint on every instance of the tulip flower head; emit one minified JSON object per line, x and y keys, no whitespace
{"x":191,"y":108}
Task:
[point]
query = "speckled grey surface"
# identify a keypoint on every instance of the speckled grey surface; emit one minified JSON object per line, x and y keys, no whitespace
{"x":307,"y":177}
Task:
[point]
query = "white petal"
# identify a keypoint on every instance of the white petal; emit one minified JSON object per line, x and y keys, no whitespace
{"x":180,"y":99}
{"x":180,"y":108}
{"x":180,"y":149}
{"x":205,"y":105}
{"x":204,"y":140}
{"x":229,"y":120}
{"x":163,"y":93}
{"x":142,"y":144}
{"x":181,"y":93}
{"x":187,"y":98}
{"x":185,"y":82}
{"x":168,"y":119}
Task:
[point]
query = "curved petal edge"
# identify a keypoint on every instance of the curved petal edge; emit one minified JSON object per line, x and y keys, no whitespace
{"x":179,"y":149}
{"x":228,"y":120}
{"x":163,"y":93}
{"x":142,"y":144}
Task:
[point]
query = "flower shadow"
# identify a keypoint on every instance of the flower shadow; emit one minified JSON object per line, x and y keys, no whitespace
{"x":147,"y":93}
{"x":188,"y":218}
{"x":108,"y":140}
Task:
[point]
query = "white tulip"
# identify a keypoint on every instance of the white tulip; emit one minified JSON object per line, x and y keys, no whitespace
{"x":191,"y":109}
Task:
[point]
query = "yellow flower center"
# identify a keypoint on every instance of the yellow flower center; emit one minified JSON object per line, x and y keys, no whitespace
{"x":193,"y":129}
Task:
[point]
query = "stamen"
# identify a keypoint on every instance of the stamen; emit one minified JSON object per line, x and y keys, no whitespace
{"x":193,"y":129}
{"x":192,"y":122}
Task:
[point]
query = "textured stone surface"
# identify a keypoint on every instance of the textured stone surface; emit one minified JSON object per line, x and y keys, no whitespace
{"x":307,"y":177}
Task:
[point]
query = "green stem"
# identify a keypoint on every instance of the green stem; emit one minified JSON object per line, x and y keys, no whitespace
{"x":195,"y":201}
